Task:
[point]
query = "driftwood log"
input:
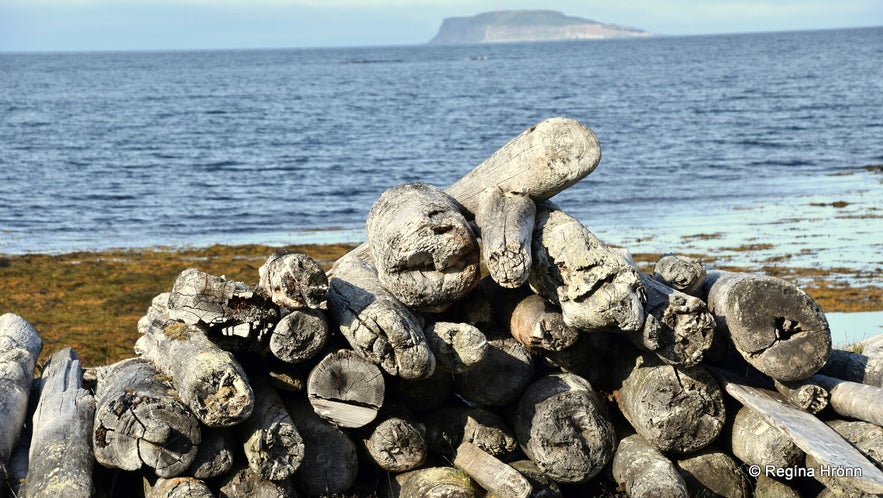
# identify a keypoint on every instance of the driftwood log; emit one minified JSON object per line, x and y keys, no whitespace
{"x":299,"y":336}
{"x":293,"y":280}
{"x":435,"y":482}
{"x":854,"y":367}
{"x":245,"y":483}
{"x":346,"y":389}
{"x":397,"y":444}
{"x":711,"y":472}
{"x":804,"y":394}
{"x":139,"y":420}
{"x":215,"y":455}
{"x":177,"y":487}
{"x":502,"y":374}
{"x":450,"y":426}
{"x":767,"y":487}
{"x":505,"y":221}
{"x":490,"y":473}
{"x":272,"y":444}
{"x":644,"y":471}
{"x":457,"y":347}
{"x":680,"y":272}
{"x":542,"y":486}
{"x":61,"y":452}
{"x":756,"y":442}
{"x":866,"y":437}
{"x":852,"y":399}
{"x":775,"y":326}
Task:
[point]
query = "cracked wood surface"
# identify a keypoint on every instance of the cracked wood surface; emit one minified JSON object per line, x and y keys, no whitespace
{"x":505,"y":221}
{"x":346,"y":389}
{"x":272,"y":444}
{"x":644,"y":471}
{"x":293,"y":280}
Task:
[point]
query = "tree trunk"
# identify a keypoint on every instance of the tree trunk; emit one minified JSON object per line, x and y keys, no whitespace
{"x":594,"y":285}
{"x":436,"y":482}
{"x":346,"y":389}
{"x":273,"y":446}
{"x":681,"y":273}
{"x":299,"y":336}
{"x":854,"y":367}
{"x":756,"y":442}
{"x":563,"y":428}
{"x":852,"y":399}
{"x":506,"y":221}
{"x":245,"y":483}
{"x":804,"y":394}
{"x":713,"y":473}
{"x":449,"y":426}
{"x":375,"y":323}
{"x":490,"y":473}
{"x":20,"y":345}
{"x":457,"y":347}
{"x":424,"y":250}
{"x":139,"y":420}
{"x":644,"y":472}
{"x":177,"y":487}
{"x":503,"y":373}
{"x":775,"y":326}
{"x":215,"y":455}
{"x":61,"y":452}
{"x":210,"y":380}
{"x":397,"y":444}
{"x":293,"y":280}
{"x":864,"y":436}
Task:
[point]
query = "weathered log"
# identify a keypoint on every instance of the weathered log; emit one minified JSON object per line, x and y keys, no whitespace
{"x":346,"y":389}
{"x":490,"y":473}
{"x":436,"y":482}
{"x":767,"y":487}
{"x":680,"y":272}
{"x":854,"y":367}
{"x":273,"y":446}
{"x":397,"y":444}
{"x":506,"y":221}
{"x":457,"y":347}
{"x":542,"y":486}
{"x":563,"y":428}
{"x":594,"y":285}
{"x":299,"y":335}
{"x":644,"y":471}
{"x":177,"y":487}
{"x":211,"y":382}
{"x":864,"y":436}
{"x":61,"y":451}
{"x":16,"y":473}
{"x":531,"y":320}
{"x":872,"y":346}
{"x":215,"y":455}
{"x":424,"y":250}
{"x":246,"y":483}
{"x":448,"y":427}
{"x":756,"y":442}
{"x":677,"y":409}
{"x":852,"y":399}
{"x":375,"y":323}
{"x":20,"y":345}
{"x":713,"y":473}
{"x":775,"y":326}
{"x":804,"y":394}
{"x":139,"y":420}
{"x":503,"y":373}
{"x":293,"y":280}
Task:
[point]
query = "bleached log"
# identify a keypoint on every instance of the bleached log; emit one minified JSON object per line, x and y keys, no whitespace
{"x":299,"y":336}
{"x":20,"y":345}
{"x":293,"y":280}
{"x":397,"y":444}
{"x":273,"y":446}
{"x":505,"y":221}
{"x":542,"y":486}
{"x":854,"y":367}
{"x":804,"y":394}
{"x":61,"y":451}
{"x":532,"y":321}
{"x":449,"y":426}
{"x":503,"y":373}
{"x":177,"y":487}
{"x":852,"y":399}
{"x":756,"y":442}
{"x":872,"y":346}
{"x":864,"y":436}
{"x":456,"y":346}
{"x":436,"y":482}
{"x":712,"y":472}
{"x":375,"y":323}
{"x":594,"y":285}
{"x":209,"y":379}
{"x":246,"y":483}
{"x":215,"y":455}
{"x":680,"y":272}
{"x":644,"y":471}
{"x":346,"y":389}
{"x":563,"y":427}
{"x":775,"y":326}
{"x":490,"y":473}
{"x":139,"y":420}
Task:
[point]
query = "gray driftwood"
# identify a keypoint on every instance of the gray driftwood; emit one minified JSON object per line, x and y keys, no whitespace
{"x":139,"y":420}
{"x":505,"y":221}
{"x":397,"y":444}
{"x":20,"y":345}
{"x":865,"y":436}
{"x":872,"y":346}
{"x":531,"y":320}
{"x":177,"y":487}
{"x":644,"y":471}
{"x":852,"y":399}
{"x":594,"y":285}
{"x":563,"y":427}
{"x":767,"y":487}
{"x":346,"y":389}
{"x":215,"y":455}
{"x":680,"y":272}
{"x":854,"y":367}
{"x":273,"y":446}
{"x":775,"y":326}
{"x":456,"y":346}
{"x":299,"y":336}
{"x":503,"y":373}
{"x":490,"y":473}
{"x":804,"y":394}
{"x":245,"y":483}
{"x":375,"y":323}
{"x":757,"y":442}
{"x":449,"y":426}
{"x":711,"y":472}
{"x":209,"y":379}
{"x":61,"y":452}
{"x":542,"y":486}
{"x":293,"y":280}
{"x":435,"y":482}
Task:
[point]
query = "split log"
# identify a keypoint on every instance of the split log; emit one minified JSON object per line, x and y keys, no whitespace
{"x":767,"y":487}
{"x":245,"y":483}
{"x":594,"y":285}
{"x":139,"y":420}
{"x":677,"y":409}
{"x":211,"y":382}
{"x":542,"y":486}
{"x":775,"y":326}
{"x":61,"y":451}
{"x":864,"y":436}
{"x":854,"y":367}
{"x":490,"y":473}
{"x":563,"y":428}
{"x":852,"y":399}
{"x":531,"y":320}
{"x":293,"y":280}
{"x":424,"y":250}
{"x":503,"y":373}
{"x":215,"y":455}
{"x":644,"y":471}
{"x":804,"y":394}
{"x":436,"y":482}
{"x":450,"y":426}
{"x":756,"y":442}
{"x":397,"y":444}
{"x":713,"y":473}
{"x":346,"y":389}
{"x":457,"y":347}
{"x":177,"y":487}
{"x":375,"y":323}
{"x":299,"y":336}
{"x":506,"y":220}
{"x":273,"y":446}
{"x":680,"y":272}
{"x":20,"y":345}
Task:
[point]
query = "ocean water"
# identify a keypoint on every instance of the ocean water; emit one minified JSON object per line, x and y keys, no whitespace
{"x":734,"y":141}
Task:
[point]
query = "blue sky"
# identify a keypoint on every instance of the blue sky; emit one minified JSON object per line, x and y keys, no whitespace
{"x":50,"y":25}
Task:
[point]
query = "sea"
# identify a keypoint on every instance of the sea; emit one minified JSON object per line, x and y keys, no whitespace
{"x":765,"y":147}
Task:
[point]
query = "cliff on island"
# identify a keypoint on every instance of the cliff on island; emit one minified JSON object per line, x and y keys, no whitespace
{"x":526,"y":25}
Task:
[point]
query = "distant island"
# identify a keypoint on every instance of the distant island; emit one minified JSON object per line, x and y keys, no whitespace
{"x":526,"y":25}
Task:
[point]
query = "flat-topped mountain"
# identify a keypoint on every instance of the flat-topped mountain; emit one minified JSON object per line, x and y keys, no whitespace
{"x":526,"y":25}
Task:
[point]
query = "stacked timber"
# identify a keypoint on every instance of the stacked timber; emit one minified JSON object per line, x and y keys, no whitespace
{"x":404,"y":371}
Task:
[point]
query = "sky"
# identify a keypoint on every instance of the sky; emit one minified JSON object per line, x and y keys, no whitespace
{"x":84,"y":25}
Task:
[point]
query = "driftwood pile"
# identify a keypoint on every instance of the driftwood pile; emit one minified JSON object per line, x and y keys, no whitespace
{"x":403,"y":372}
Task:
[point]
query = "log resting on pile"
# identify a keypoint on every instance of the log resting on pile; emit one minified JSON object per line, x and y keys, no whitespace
{"x":804,"y":394}
{"x":680,"y":272}
{"x":854,"y":367}
{"x":293,"y":280}
{"x":346,"y":389}
{"x":505,"y":221}
{"x":435,"y":482}
{"x":490,"y":473}
{"x":644,"y":471}
{"x":852,"y":399}
{"x":499,"y":378}
{"x":775,"y":326}
{"x":711,"y":472}
{"x":397,"y":444}
{"x":449,"y":426}
{"x":756,"y":442}
{"x":456,"y":346}
{"x":271,"y":442}
{"x":176,"y":487}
